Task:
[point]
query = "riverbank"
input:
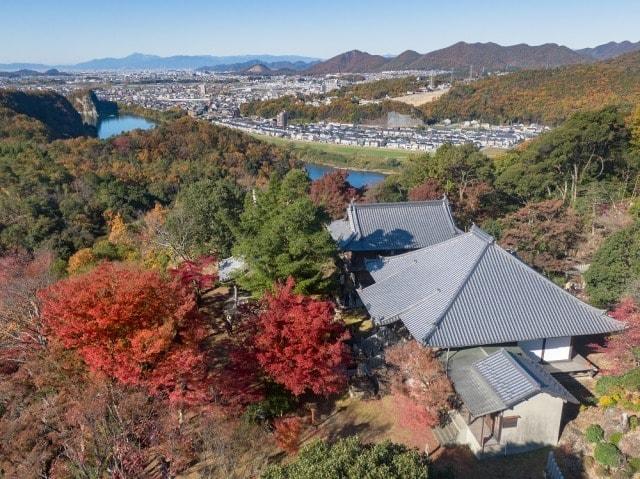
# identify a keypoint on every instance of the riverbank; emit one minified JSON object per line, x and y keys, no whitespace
{"x":379,"y":160}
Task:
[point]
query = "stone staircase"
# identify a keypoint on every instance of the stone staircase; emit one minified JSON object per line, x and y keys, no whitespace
{"x":447,"y":435}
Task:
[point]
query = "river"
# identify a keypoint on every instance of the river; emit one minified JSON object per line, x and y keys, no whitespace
{"x":357,"y":178}
{"x":116,"y":125}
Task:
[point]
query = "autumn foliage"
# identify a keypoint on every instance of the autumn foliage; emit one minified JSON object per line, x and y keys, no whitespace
{"x":419,"y":378}
{"x":543,"y":234}
{"x":430,"y":189}
{"x":623,"y":349}
{"x":300,"y":344}
{"x":134,"y":326}
{"x":197,"y":276}
{"x":287,"y":433}
{"x":21,"y":276}
{"x":333,"y":193}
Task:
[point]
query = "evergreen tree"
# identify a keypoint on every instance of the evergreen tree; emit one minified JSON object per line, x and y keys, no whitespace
{"x":282,"y":234}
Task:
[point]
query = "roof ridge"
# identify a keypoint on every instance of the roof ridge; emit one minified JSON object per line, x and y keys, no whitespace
{"x":447,"y":209}
{"x":423,"y":249}
{"x":463,"y":284}
{"x":398,"y":203}
{"x":353,"y":221}
{"x":527,"y":376}
{"x":422,"y":300}
{"x":479,"y":375}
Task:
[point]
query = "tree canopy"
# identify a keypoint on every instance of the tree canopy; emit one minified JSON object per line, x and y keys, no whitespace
{"x":134,"y":326}
{"x":206,"y":215}
{"x":615,"y":266}
{"x":282,"y":234}
{"x":350,"y":459}
{"x":300,"y":344}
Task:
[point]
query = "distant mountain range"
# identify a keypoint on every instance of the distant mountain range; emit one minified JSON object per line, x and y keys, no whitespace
{"x":140,"y":61}
{"x":462,"y":55}
{"x":610,"y":50}
{"x":256,"y":67}
{"x":547,"y":96}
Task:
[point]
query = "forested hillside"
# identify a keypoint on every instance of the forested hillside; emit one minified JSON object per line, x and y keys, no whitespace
{"x":548,"y":96}
{"x":54,"y":116}
{"x":343,"y":109}
{"x":58,"y":195}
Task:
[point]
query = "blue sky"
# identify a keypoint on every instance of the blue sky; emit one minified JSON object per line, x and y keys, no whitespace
{"x":68,"y":31}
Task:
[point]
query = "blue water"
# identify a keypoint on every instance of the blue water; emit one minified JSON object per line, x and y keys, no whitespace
{"x":356,"y":178}
{"x":115,"y":125}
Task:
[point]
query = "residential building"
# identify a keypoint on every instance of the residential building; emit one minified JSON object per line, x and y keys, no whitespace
{"x":282,"y":119}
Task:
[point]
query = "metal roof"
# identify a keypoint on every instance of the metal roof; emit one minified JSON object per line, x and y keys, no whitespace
{"x":502,"y":380}
{"x":394,"y":226}
{"x":229,"y":267}
{"x":468,"y":291}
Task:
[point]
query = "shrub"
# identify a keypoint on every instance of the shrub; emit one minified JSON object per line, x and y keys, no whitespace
{"x":607,"y":401}
{"x":631,"y":380}
{"x":606,"y":384}
{"x":615,"y":438}
{"x":349,"y":459}
{"x":594,"y":433}
{"x":287,"y":433}
{"x":633,"y":422}
{"x":277,"y":403}
{"x":608,"y":454}
{"x":634,"y":463}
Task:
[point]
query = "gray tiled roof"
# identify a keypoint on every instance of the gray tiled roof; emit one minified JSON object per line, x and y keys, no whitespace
{"x":394,"y":226}
{"x":468,"y":291}
{"x":502,"y":380}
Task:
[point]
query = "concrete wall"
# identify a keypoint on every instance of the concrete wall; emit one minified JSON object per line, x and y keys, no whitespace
{"x":557,"y":349}
{"x":551,"y":349}
{"x":538,"y":424}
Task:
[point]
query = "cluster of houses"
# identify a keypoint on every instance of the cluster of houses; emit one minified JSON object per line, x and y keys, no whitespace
{"x":400,"y":133}
{"x":507,"y":336}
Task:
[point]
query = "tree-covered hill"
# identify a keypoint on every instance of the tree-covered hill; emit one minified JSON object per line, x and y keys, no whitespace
{"x":548,"y":96}
{"x":47,"y":114}
{"x":58,"y":195}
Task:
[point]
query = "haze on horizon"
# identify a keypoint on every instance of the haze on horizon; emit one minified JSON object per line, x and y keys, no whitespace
{"x":71,"y":31}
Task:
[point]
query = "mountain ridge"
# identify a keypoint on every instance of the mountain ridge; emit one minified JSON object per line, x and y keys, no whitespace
{"x":462,"y":56}
{"x":142,"y":61}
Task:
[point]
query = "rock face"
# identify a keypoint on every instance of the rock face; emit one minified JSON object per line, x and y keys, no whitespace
{"x":53,"y":111}
{"x":91,"y":108}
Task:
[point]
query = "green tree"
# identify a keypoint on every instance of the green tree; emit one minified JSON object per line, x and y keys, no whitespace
{"x":615,"y":266}
{"x":588,"y":147}
{"x":349,"y":459}
{"x":282,"y":234}
{"x":206,"y":215}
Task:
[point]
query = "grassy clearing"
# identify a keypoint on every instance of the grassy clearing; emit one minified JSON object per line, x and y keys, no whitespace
{"x":372,"y":421}
{"x":380,"y":160}
{"x":419,"y":99}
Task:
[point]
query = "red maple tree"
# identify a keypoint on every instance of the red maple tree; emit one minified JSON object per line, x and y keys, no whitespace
{"x":417,"y":375}
{"x":299,"y":344}
{"x":132,"y":325}
{"x":197,"y":275}
{"x":333,"y":193}
{"x":287,"y":433}
{"x":623,"y":349}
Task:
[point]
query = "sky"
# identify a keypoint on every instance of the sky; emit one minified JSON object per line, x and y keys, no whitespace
{"x":70,"y":31}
